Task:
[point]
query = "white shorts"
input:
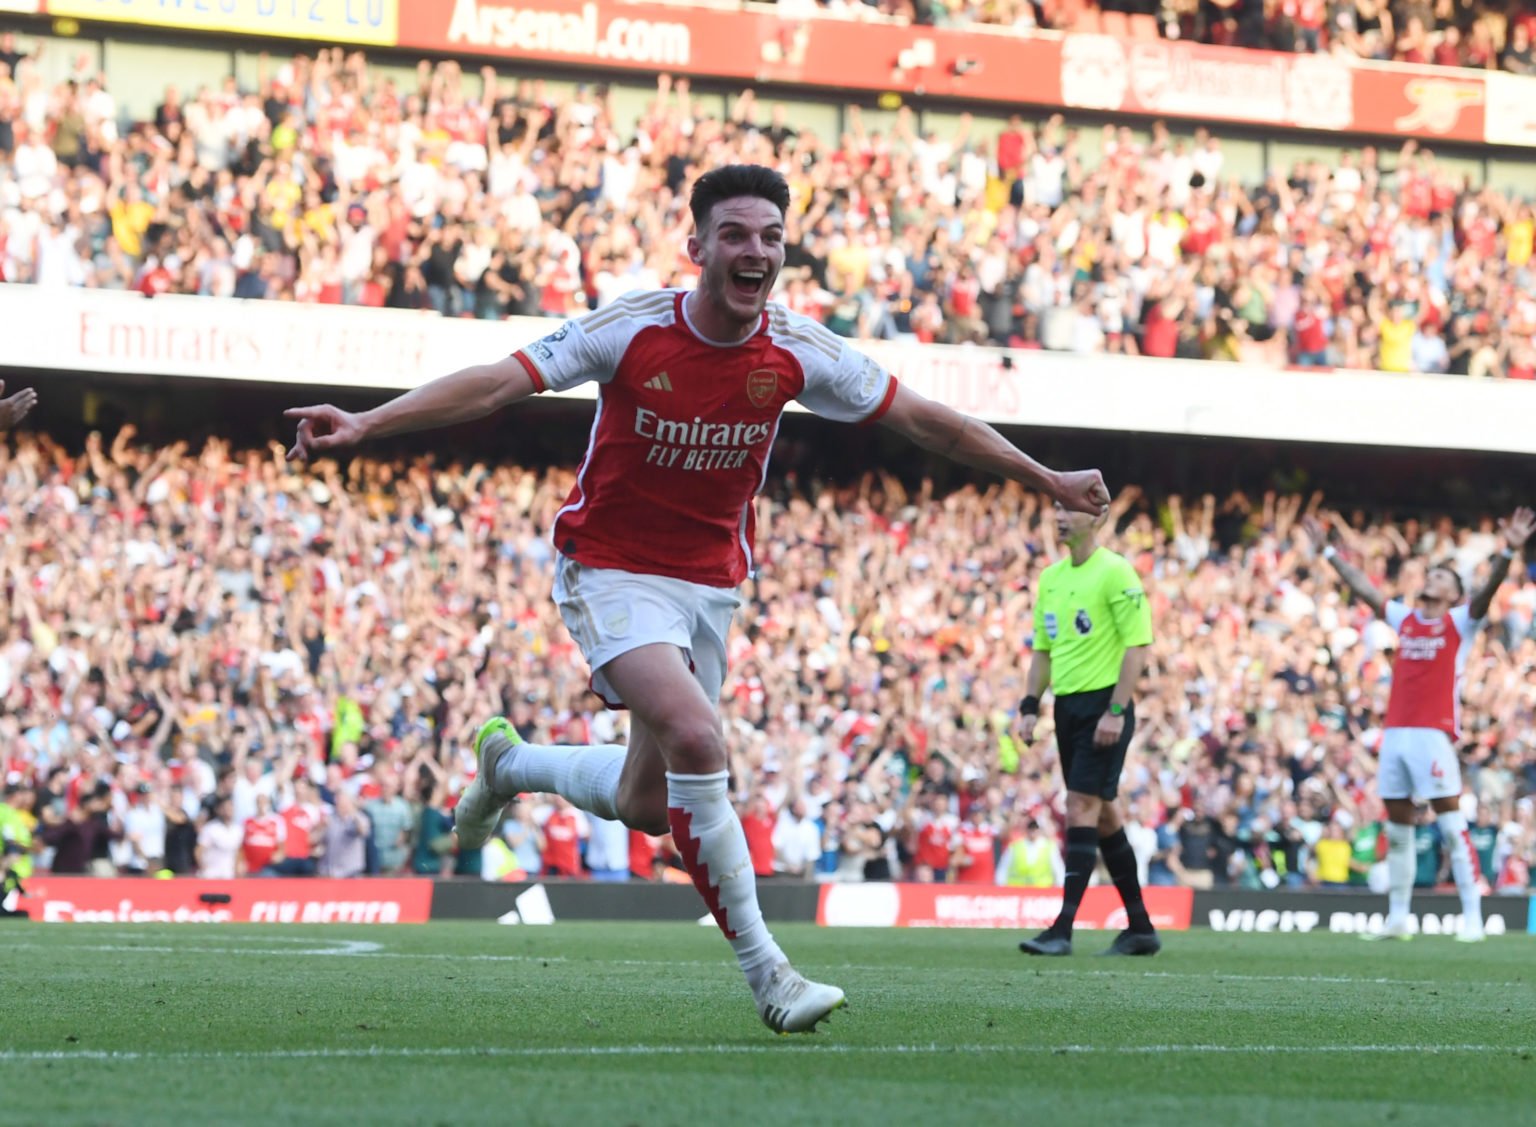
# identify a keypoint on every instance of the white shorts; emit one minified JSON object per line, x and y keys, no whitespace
{"x":610,"y":612}
{"x":1418,"y":763}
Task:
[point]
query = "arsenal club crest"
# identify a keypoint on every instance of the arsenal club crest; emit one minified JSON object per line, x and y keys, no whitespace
{"x":762,"y":386}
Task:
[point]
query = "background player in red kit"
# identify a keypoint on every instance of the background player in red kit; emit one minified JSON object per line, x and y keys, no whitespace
{"x":658,"y":533}
{"x":1418,"y":757}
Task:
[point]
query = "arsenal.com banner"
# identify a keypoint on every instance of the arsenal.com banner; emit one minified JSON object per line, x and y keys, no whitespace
{"x":1098,"y":72}
{"x":52,"y":899}
{"x":959,"y":905}
{"x":756,"y":47}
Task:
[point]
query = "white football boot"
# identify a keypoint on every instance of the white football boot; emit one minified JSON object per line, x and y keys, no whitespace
{"x":480,"y":806}
{"x":1392,"y":929}
{"x":790,"y":1003}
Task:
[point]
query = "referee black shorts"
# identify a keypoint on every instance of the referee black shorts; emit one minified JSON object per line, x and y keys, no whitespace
{"x":1088,"y":768}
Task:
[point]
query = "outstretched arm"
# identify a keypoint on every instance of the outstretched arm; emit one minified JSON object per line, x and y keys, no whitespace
{"x":16,"y":408}
{"x":470,"y":393}
{"x":1355,"y":579}
{"x":971,"y":442}
{"x":1516,"y":530}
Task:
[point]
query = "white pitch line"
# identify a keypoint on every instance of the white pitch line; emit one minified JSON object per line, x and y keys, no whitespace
{"x":347,"y":947}
{"x":14,"y":1056}
{"x":225,"y":935}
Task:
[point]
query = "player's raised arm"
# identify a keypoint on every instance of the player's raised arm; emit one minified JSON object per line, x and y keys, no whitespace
{"x":971,"y":442}
{"x":1355,"y":579}
{"x":470,"y":393}
{"x":1516,"y":530}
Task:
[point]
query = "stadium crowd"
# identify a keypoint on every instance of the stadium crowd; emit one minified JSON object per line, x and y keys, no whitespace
{"x":480,"y":197}
{"x":1458,"y":33}
{"x":218,"y":661}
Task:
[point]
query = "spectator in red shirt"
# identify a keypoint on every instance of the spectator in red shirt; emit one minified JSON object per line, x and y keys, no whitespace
{"x":1311,"y":331}
{"x":975,"y":855}
{"x":935,"y":832}
{"x":303,"y":823}
{"x":643,"y":851}
{"x":564,"y":830}
{"x":758,"y":821}
{"x":265,"y":833}
{"x":1012,"y":146}
{"x":1160,"y":332}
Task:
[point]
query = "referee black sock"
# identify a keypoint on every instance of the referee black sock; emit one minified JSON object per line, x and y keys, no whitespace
{"x":1120,"y":860}
{"x":1082,"y":855}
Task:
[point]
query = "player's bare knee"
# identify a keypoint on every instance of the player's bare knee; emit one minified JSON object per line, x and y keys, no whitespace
{"x":694,"y":747}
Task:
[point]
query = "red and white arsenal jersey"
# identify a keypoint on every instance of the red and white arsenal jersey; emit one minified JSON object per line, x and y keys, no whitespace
{"x":1426,"y":677}
{"x":980,"y":844}
{"x":684,"y":427}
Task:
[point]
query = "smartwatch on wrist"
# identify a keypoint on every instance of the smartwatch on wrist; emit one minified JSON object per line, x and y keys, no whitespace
{"x":1116,"y":709}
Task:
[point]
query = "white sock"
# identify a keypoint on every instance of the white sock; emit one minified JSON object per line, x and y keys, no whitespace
{"x":1400,"y":865}
{"x":586,"y":775}
{"x":713,"y":845}
{"x":1453,"y":827}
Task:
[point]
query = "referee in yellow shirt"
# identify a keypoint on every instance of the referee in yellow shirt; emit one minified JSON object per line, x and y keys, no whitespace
{"x":1092,"y":631}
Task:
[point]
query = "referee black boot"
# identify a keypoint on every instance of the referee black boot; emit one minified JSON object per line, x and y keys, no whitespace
{"x":1130,"y":942}
{"x":1047,"y":943}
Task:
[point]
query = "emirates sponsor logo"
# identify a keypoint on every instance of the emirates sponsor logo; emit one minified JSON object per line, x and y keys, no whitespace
{"x":125,"y":911}
{"x":693,"y":444}
{"x":1420,"y":647}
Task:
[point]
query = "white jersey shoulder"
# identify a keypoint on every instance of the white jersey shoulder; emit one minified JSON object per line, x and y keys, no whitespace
{"x":841,"y":383}
{"x":1397,"y":612}
{"x":589,"y":347}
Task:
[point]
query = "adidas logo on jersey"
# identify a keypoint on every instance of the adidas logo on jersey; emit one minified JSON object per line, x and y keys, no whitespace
{"x":663,"y":382}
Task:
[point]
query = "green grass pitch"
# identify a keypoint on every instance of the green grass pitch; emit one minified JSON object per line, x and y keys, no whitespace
{"x":651,"y":1024}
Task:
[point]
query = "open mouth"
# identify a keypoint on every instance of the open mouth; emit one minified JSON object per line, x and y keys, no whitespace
{"x":749,"y":284}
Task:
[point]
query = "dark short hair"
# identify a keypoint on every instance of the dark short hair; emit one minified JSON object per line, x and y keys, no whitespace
{"x":1447,"y":565}
{"x":733,"y":181}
